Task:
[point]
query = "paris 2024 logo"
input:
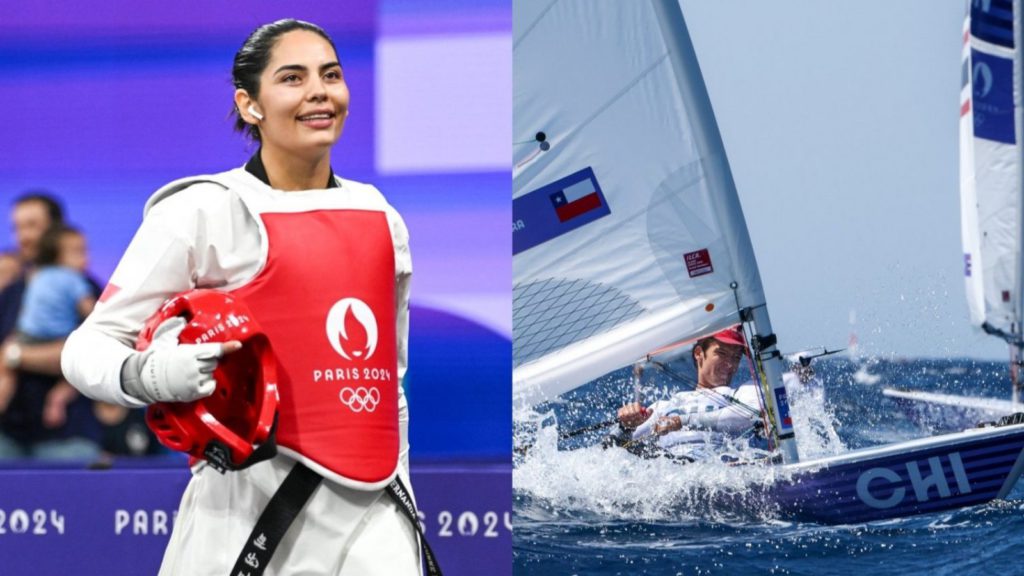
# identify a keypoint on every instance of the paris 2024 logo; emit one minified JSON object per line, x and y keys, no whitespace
{"x":338,"y":334}
{"x":353,"y":333}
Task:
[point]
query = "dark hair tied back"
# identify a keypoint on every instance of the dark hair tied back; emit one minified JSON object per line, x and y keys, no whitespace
{"x":254,"y":55}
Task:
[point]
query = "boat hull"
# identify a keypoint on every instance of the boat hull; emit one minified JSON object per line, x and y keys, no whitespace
{"x":904,"y":479}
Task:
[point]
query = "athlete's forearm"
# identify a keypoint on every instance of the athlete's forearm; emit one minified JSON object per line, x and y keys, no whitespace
{"x":41,"y":358}
{"x":92,"y":363}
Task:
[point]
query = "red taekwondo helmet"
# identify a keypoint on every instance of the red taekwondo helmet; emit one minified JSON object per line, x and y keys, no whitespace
{"x":234,"y":427}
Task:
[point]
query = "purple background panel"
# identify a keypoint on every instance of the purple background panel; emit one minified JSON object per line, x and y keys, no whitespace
{"x":117,"y":522}
{"x":125,"y":110}
{"x":183,"y":17}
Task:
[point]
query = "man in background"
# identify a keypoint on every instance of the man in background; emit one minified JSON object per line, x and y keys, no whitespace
{"x":23,"y":432}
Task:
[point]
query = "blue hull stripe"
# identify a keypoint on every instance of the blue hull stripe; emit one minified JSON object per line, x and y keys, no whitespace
{"x":831,"y":494}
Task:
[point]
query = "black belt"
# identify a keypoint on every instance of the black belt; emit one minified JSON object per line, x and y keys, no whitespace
{"x":286,"y":504}
{"x":400,"y":494}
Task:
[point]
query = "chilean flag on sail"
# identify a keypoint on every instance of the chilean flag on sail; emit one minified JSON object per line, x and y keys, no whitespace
{"x":557,"y":208}
{"x":575,"y":200}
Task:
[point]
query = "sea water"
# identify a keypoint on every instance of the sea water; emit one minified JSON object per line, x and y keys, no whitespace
{"x":580,"y":509}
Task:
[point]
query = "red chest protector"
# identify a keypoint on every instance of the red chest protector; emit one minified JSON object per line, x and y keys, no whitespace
{"x":326,"y":301}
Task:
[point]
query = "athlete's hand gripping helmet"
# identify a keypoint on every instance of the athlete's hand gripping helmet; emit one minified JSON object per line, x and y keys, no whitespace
{"x":226,"y":427}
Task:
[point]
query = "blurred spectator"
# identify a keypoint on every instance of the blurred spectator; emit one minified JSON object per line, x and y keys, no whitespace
{"x":58,"y":295}
{"x":57,"y":298}
{"x":10,"y":268}
{"x":31,"y":215}
{"x":125,"y":432}
{"x":43,"y":416}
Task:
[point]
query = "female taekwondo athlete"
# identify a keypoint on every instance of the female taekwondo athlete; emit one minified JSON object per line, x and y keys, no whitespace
{"x":305,"y":250}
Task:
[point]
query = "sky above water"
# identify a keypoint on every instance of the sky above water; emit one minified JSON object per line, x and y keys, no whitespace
{"x":840,"y":120}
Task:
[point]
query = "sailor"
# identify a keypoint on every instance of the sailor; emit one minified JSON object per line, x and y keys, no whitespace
{"x":305,"y":250}
{"x":705,"y":417}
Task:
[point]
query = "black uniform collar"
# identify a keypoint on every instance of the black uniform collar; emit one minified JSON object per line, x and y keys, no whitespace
{"x":255,"y":167}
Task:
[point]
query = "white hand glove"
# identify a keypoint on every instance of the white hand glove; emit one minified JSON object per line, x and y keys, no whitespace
{"x":171,"y":372}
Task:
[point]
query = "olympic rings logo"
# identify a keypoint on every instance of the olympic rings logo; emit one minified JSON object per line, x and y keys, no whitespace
{"x":360,"y":399}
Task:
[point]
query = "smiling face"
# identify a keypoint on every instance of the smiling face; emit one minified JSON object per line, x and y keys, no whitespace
{"x":302,"y":97}
{"x":717,"y":365}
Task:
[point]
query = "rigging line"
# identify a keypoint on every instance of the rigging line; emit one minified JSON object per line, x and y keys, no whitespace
{"x":528,"y":158}
{"x":715,"y":395}
{"x":767,"y":418}
{"x":712,"y":394}
{"x":591,"y":428}
{"x":615,"y":98}
{"x":525,"y":448}
{"x":768,"y":415}
{"x":681,"y":343}
{"x":746,"y":336}
{"x":646,"y":439}
{"x":1010,"y":337}
{"x":645,"y":449}
{"x":533,"y":24}
{"x":638,"y":372}
{"x":757,"y":371}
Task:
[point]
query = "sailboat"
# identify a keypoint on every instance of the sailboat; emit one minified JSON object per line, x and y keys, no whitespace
{"x":628,"y":235}
{"x":863,"y":373}
{"x":991,"y":194}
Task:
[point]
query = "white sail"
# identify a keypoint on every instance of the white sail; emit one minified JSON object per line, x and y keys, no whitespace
{"x":991,"y":185}
{"x":990,"y":165}
{"x":991,"y":175}
{"x":627,"y":231}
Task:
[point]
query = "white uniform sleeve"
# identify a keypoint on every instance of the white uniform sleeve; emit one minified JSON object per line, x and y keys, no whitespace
{"x":190,"y":239}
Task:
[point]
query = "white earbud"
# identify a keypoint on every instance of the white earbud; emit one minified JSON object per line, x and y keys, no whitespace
{"x":252,"y":110}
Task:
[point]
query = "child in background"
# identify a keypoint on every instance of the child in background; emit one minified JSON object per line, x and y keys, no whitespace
{"x":57,"y":298}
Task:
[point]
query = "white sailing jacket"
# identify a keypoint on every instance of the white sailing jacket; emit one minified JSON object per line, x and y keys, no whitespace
{"x":731,"y":411}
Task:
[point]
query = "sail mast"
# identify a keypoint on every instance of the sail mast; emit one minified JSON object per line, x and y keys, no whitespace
{"x":1017,"y":344}
{"x":712,"y":153}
